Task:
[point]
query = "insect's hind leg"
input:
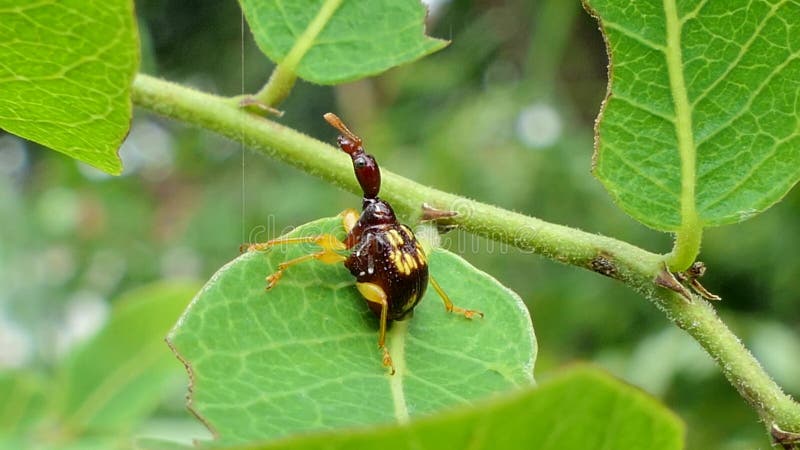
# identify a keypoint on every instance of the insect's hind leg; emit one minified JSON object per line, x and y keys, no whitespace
{"x":375,"y":294}
{"x":448,"y":304}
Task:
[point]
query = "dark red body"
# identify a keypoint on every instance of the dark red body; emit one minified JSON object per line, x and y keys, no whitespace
{"x":383,"y":251}
{"x":398,"y":266}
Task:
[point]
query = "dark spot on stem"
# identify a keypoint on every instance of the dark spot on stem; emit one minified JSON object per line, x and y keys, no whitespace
{"x":604,"y":265}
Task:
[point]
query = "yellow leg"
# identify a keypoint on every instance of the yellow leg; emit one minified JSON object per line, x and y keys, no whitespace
{"x":326,"y":241}
{"x":375,"y":294}
{"x":328,"y":255}
{"x":448,"y":304}
{"x":329,"y":243}
{"x":349,"y":218}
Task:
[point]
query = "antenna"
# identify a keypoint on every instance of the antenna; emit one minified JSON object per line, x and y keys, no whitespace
{"x":337,"y":123}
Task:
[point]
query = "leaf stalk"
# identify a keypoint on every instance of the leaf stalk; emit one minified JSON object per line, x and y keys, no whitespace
{"x":688,"y":237}
{"x":280,"y":84}
{"x":285,"y":73}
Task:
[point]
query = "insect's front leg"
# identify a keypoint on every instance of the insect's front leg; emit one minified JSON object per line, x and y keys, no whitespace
{"x":329,"y":253}
{"x":349,"y":219}
{"x":351,"y":226}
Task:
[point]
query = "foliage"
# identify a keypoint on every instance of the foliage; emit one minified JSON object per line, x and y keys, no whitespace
{"x":719,"y":107}
{"x":620,"y":417}
{"x":682,"y":100}
{"x":107,"y":386}
{"x":719,"y":98}
{"x":65,"y":72}
{"x":333,"y":41}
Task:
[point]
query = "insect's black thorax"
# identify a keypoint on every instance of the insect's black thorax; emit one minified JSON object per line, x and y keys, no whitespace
{"x":388,"y":254}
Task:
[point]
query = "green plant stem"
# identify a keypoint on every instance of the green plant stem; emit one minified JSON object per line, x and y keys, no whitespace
{"x":632,"y":265}
{"x":687,"y":245}
{"x":278,"y":87}
{"x":285,"y":74}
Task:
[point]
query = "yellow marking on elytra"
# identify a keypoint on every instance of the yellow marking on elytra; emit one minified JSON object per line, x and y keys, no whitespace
{"x":412,"y":300}
{"x":421,"y":258}
{"x":397,"y":260}
{"x":395,"y":238}
{"x":404,"y":267}
{"x":412,"y":263}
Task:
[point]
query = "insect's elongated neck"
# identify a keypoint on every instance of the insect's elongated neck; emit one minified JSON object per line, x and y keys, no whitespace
{"x":367,"y":173}
{"x":365,"y":167}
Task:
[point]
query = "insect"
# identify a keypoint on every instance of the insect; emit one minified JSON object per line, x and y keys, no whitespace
{"x":389,"y":264}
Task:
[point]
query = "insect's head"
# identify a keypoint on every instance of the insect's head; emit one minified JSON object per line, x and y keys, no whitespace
{"x":364,"y":165}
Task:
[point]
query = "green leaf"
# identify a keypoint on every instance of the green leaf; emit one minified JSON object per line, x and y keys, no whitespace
{"x":21,"y":400}
{"x":11,"y":442}
{"x":66,"y":67}
{"x":88,"y":443}
{"x":115,"y":380}
{"x":333,"y":41}
{"x":160,"y":444}
{"x":303,"y":356}
{"x":702,"y":121}
{"x":583,"y":408}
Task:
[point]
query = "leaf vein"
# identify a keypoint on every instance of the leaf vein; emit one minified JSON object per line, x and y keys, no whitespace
{"x":746,"y":178}
{"x":738,"y":59}
{"x":634,"y":35}
{"x":639,"y":171}
{"x":645,"y":108}
{"x":755,"y":95}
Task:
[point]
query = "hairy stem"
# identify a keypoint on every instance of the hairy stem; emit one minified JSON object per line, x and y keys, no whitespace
{"x":630,"y":264}
{"x":278,"y":87}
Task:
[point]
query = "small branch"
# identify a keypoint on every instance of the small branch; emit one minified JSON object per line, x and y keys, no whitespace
{"x":285,"y":73}
{"x":687,"y":245}
{"x":278,"y":87}
{"x":633,"y":266}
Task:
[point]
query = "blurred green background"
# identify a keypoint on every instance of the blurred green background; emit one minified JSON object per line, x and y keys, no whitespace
{"x":503,"y":115}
